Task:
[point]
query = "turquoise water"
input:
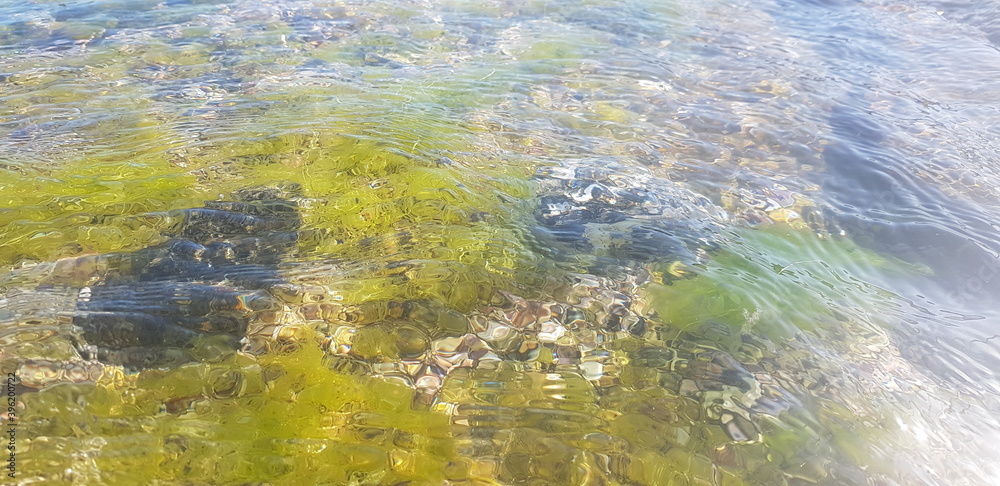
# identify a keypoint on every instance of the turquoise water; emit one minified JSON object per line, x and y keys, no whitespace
{"x":501,"y":243}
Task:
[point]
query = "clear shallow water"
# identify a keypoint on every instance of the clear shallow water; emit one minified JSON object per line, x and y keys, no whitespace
{"x":552,"y":243}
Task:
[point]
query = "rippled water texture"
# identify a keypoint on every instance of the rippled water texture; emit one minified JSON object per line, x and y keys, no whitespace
{"x":514,"y":242}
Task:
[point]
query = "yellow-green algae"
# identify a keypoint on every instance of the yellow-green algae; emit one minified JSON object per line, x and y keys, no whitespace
{"x":777,"y":281}
{"x":385,"y":186}
{"x":461,"y":219}
{"x":285,"y":418}
{"x":280,"y":419}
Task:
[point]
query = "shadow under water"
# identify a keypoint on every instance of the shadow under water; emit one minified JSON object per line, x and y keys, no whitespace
{"x":517,"y":243}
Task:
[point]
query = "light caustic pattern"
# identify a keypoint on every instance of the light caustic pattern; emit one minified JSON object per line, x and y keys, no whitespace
{"x":515,"y":243}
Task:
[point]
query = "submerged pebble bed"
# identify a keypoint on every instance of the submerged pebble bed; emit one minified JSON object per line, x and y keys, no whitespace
{"x":308,"y":242}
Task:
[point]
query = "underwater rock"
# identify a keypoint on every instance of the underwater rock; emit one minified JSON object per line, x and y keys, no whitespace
{"x":602,"y":217}
{"x":143,"y":309}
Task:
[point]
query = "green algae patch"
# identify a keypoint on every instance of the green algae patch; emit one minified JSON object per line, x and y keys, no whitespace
{"x":630,"y":427}
{"x":534,"y":426}
{"x":88,"y":209}
{"x":679,"y":415}
{"x":777,"y":281}
{"x":389,"y":196}
{"x":424,"y":227}
{"x":280,"y":419}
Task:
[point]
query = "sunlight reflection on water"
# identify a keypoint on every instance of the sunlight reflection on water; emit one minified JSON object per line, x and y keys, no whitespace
{"x":600,"y":243}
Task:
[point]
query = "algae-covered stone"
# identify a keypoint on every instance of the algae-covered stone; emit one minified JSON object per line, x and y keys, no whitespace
{"x":145,"y":308}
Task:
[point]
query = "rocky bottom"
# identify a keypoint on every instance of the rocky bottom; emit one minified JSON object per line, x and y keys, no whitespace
{"x":588,"y":386}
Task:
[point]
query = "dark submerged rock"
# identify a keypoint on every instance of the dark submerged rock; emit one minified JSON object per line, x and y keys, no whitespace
{"x":212,"y":277}
{"x":614,"y":218}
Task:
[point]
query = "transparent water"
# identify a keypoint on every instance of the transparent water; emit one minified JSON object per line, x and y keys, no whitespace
{"x":501,"y":243}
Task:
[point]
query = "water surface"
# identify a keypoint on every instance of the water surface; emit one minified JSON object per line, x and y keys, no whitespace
{"x":503,"y":243}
